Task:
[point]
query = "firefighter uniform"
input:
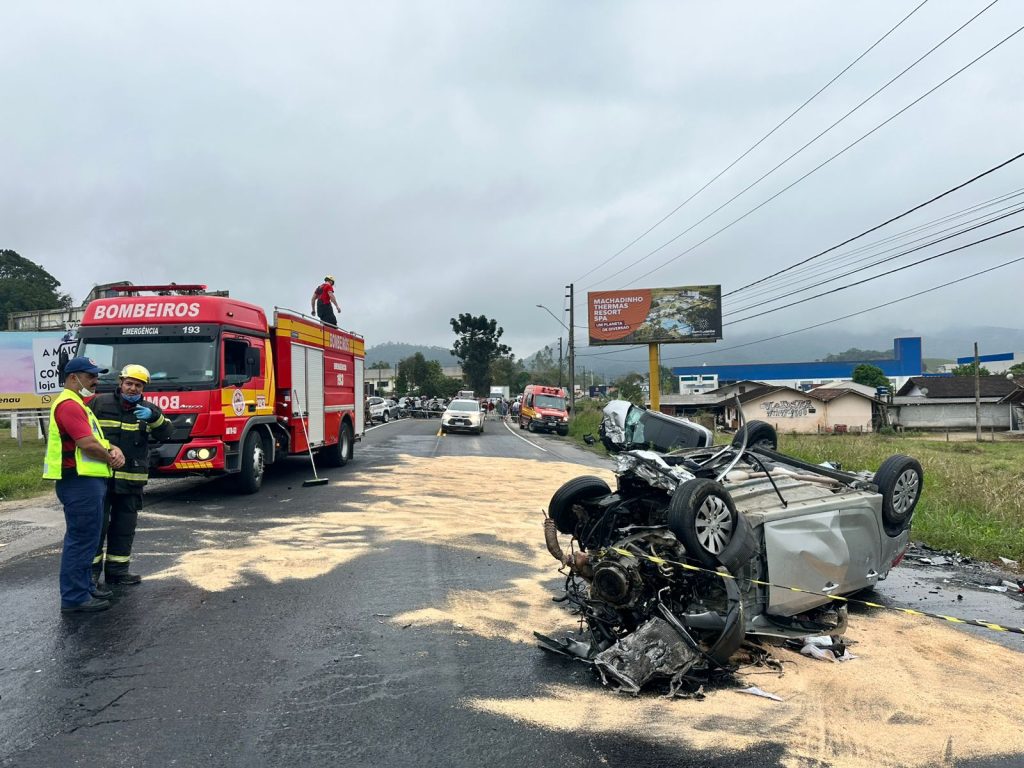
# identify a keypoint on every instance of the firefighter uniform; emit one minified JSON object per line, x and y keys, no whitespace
{"x":124,"y":495}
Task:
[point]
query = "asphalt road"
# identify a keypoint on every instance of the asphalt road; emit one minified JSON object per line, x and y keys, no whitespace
{"x":261,"y":659}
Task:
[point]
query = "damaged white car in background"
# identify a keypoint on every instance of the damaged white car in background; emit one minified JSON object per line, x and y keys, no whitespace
{"x":700,"y":546}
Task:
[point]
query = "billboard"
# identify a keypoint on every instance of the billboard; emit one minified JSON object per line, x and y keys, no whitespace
{"x":28,"y":368}
{"x":690,"y":313}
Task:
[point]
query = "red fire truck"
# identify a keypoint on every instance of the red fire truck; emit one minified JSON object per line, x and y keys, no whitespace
{"x":240,"y":392}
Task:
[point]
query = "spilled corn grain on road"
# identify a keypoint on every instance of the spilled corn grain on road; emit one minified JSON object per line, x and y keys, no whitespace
{"x":386,"y":619}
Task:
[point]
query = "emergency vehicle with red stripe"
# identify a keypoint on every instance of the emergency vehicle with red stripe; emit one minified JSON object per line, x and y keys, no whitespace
{"x":242,"y":393}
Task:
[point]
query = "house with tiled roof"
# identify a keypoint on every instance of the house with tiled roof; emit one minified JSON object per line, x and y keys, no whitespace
{"x":948,"y":402}
{"x":833,"y":409}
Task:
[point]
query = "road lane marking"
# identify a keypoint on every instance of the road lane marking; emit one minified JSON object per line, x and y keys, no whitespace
{"x":528,"y":442}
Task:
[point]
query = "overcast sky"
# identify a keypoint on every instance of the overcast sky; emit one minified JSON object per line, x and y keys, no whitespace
{"x":441,"y":158}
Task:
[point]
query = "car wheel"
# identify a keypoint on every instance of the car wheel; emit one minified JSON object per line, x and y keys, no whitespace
{"x":481,"y":430}
{"x":560,"y":508}
{"x":530,"y":427}
{"x":563,"y":432}
{"x":704,"y":518}
{"x":760,"y":434}
{"x":899,"y":480}
{"x":444,"y":430}
{"x":250,"y":478}
{"x":385,"y":418}
{"x":338,"y":454}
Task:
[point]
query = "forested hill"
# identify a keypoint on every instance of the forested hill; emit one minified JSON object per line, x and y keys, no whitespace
{"x":393,"y":352}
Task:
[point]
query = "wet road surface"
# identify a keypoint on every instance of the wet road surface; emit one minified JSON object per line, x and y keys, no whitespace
{"x":290,"y":660}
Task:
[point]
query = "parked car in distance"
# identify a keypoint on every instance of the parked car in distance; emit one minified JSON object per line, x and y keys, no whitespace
{"x":462,"y":416}
{"x":383,"y":410}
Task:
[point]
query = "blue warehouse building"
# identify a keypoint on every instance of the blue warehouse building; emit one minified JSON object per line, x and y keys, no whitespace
{"x":905,"y":362}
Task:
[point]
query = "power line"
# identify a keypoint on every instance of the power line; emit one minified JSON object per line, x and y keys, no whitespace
{"x":875,"y":277}
{"x":854,"y":314}
{"x":825,"y":322}
{"x":801,"y":272}
{"x":768,"y":173}
{"x":960,"y":232}
{"x":841,"y":152}
{"x":754,"y":146}
{"x":885,"y":223}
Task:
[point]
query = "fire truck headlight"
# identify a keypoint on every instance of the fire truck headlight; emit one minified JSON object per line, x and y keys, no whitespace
{"x":200,"y":454}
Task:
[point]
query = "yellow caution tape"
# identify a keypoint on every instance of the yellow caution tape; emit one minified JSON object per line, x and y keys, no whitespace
{"x":836,"y":598}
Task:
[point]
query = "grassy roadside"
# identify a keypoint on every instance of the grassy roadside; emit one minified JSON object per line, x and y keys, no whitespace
{"x":21,"y":469}
{"x":973,"y":497}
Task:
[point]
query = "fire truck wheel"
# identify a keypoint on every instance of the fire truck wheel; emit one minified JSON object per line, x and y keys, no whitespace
{"x":338,"y":454}
{"x":250,"y":478}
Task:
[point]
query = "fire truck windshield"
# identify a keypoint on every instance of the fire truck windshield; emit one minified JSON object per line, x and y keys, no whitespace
{"x":550,"y":401}
{"x":173,"y":362}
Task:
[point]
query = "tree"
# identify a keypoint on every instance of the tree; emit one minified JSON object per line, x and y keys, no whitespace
{"x":413,"y":373}
{"x":968,"y":370}
{"x":1016,"y":370}
{"x":507,"y":371}
{"x":545,"y":369}
{"x":477,"y":346}
{"x":630,"y":388}
{"x":668,"y":384}
{"x":870,"y":376}
{"x":25,"y":286}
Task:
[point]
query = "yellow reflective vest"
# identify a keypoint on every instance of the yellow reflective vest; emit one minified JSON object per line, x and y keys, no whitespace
{"x":86,"y":466}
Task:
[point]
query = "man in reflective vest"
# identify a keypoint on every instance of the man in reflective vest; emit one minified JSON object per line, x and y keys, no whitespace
{"x":81,"y":460}
{"x":128,"y":422}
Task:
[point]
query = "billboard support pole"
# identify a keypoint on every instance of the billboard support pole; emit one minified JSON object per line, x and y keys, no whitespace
{"x":652,"y":356}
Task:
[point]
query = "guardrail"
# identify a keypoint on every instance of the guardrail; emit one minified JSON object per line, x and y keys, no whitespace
{"x":24,"y":423}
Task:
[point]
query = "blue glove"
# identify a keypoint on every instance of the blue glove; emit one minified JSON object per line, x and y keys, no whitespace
{"x":143,"y":412}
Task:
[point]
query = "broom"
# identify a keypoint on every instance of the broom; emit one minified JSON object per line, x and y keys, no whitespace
{"x":317,"y":480}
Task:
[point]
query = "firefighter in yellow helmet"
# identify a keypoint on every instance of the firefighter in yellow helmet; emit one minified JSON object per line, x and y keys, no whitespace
{"x":129,"y":422}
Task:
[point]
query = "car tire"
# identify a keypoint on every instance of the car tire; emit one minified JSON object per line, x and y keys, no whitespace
{"x":481,"y":430}
{"x":579,"y":488}
{"x":899,"y":480}
{"x":337,"y":455}
{"x":253,"y":465}
{"x":704,"y":518}
{"x":564,"y":432}
{"x":444,"y":430}
{"x":385,"y":417}
{"x":760,"y":434}
{"x":530,"y":427}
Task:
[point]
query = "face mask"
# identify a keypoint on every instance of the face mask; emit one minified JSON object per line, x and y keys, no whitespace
{"x":85,"y":391}
{"x":131,"y":398}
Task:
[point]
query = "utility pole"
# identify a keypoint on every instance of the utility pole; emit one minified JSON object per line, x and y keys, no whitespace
{"x":977,"y":394}
{"x":572,"y":352}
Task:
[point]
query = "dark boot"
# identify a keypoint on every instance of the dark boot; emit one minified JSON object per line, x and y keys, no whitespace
{"x":89,"y":606}
{"x":114,"y":579}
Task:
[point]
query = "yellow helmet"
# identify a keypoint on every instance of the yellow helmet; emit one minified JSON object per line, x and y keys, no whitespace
{"x":133,"y":371}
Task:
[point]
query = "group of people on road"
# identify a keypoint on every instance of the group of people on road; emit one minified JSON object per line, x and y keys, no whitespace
{"x":98,"y":455}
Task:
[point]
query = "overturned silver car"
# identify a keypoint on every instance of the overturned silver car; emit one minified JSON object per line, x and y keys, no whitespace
{"x":700,"y":546}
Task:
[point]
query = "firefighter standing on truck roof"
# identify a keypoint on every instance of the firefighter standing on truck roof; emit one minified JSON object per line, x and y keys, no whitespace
{"x":128,"y":422}
{"x":323,"y":298}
